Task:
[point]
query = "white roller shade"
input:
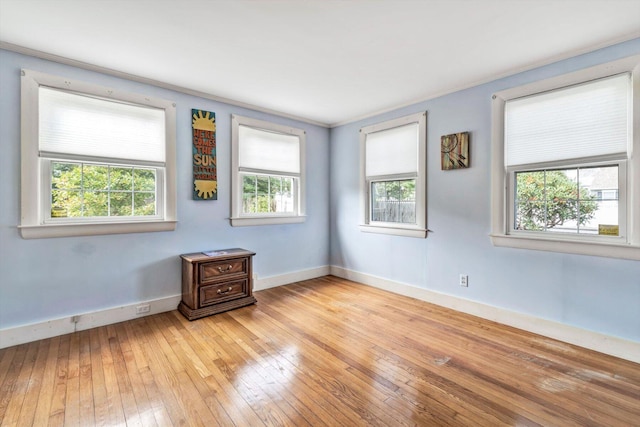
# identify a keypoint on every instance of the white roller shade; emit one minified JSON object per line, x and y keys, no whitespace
{"x":392,"y":151}
{"x":268,"y":151}
{"x":591,"y":119}
{"x":86,"y":126}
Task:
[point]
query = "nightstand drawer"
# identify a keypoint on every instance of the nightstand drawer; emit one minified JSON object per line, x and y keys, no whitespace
{"x":210,"y":271}
{"x":213,"y":294}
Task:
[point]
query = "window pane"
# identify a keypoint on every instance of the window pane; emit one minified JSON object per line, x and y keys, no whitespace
{"x":394,"y":201}
{"x":120,"y":204}
{"x":144,"y":179}
{"x":66,"y":203}
{"x":95,"y":203}
{"x":144,"y":203}
{"x":66,"y":175}
{"x":121,"y":178}
{"x":249,"y":198}
{"x":602,"y":183}
{"x":95,"y":177}
{"x":267,"y":194}
{"x":567,"y":200}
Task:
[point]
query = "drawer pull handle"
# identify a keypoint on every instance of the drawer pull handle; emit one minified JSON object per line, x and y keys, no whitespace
{"x":224,"y":270}
{"x":220,"y":291}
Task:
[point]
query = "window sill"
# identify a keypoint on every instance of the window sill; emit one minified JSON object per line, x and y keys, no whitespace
{"x":271,"y":220}
{"x":603,"y":249}
{"x":71,"y":230}
{"x":396,"y":231}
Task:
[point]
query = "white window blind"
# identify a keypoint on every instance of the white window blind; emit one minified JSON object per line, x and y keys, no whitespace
{"x":392,"y":151}
{"x":268,"y":151}
{"x":587,"y":120}
{"x":72,"y":124}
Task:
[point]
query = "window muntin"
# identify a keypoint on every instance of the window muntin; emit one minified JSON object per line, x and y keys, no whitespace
{"x":393,"y":176}
{"x":620,"y":242}
{"x":68,"y":122}
{"x":269,"y":175}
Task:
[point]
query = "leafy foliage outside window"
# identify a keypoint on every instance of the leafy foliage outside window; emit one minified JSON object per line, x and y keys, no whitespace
{"x":267,"y":194}
{"x":549,"y":200}
{"x":98,"y":190}
{"x":394,"y":201}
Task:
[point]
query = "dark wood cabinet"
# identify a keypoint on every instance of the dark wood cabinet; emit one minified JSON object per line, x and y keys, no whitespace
{"x":216,"y":281}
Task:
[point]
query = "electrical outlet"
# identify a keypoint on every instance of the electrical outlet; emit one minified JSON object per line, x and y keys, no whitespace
{"x":143,"y":308}
{"x":464,"y":280}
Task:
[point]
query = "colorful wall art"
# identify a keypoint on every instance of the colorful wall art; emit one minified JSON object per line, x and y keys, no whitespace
{"x":205,"y":171}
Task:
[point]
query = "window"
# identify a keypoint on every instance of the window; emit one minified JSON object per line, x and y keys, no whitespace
{"x":94,"y":161}
{"x":393,"y":176}
{"x":564,"y":163}
{"x":268,"y":173}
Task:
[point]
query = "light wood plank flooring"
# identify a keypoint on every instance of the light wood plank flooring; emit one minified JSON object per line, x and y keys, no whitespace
{"x":321,"y":352}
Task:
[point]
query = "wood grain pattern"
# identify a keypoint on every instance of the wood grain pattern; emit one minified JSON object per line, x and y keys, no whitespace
{"x":323,"y":352}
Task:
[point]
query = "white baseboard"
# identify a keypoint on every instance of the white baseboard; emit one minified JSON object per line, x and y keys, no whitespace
{"x":285,"y":279}
{"x":66,"y":325}
{"x":614,"y":346}
{"x":624,"y":349}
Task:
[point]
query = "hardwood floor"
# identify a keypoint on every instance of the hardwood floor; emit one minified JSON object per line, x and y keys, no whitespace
{"x":321,"y":352}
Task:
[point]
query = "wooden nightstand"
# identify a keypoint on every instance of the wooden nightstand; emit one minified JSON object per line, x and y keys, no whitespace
{"x":216,"y":281}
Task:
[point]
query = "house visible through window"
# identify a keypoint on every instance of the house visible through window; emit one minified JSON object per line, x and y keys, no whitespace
{"x":563,"y":163}
{"x":393,"y":176}
{"x":268,"y":179}
{"x":105,"y":161}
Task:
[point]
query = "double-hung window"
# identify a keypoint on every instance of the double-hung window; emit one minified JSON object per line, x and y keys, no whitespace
{"x":94,"y":161}
{"x":268,"y":178}
{"x":393,"y":176}
{"x":566,"y":163}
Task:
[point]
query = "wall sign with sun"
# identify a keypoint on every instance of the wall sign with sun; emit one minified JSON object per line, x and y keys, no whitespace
{"x":205,"y":170}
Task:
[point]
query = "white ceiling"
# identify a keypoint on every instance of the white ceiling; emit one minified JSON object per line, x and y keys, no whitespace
{"x":327,"y":62}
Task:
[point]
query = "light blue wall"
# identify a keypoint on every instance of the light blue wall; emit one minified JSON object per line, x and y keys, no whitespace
{"x":51,"y":278}
{"x":593,"y":293}
{"x":46,"y":279}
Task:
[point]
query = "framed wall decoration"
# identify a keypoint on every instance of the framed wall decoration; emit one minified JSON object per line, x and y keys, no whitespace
{"x":454,"y":151}
{"x":205,"y":170}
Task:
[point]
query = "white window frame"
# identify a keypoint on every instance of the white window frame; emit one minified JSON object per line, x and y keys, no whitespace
{"x":35,"y":219}
{"x":627,"y":245}
{"x":419,"y":229}
{"x":238,"y":218}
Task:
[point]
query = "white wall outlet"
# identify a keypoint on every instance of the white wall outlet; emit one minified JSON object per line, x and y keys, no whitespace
{"x":143,"y":308}
{"x":464,"y":280}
